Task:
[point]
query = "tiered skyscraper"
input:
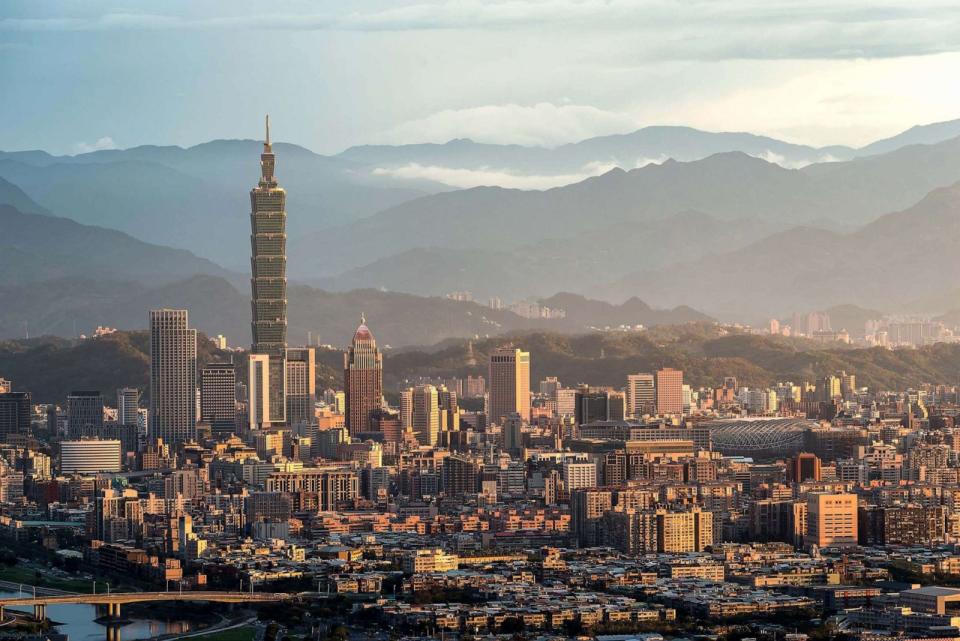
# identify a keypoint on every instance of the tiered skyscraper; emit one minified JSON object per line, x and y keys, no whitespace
{"x":268,"y":266}
{"x":362,"y":379}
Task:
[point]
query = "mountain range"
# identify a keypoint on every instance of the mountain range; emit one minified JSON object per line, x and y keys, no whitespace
{"x":738,"y":225}
{"x":69,"y":306}
{"x":900,"y":256}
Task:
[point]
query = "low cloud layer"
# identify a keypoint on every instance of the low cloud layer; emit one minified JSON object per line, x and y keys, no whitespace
{"x":488,"y":177}
{"x":106,"y":142}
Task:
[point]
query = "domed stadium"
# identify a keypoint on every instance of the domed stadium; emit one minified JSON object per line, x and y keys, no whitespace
{"x":760,"y":438}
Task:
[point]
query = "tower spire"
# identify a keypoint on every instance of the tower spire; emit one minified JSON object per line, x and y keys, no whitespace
{"x":266,"y":141}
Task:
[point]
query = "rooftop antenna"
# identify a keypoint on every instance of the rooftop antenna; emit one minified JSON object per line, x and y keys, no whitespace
{"x":267,"y":141}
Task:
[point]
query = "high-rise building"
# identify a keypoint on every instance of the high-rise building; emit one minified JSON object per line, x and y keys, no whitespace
{"x":406,"y":410}
{"x":362,"y":379}
{"x":128,"y":406}
{"x":268,"y":282}
{"x":831,"y":519}
{"x":85,"y":414}
{"x":426,"y":414}
{"x":509,"y":384}
{"x":669,"y":391}
{"x":803,"y":467}
{"x":690,"y":531}
{"x":218,"y":397}
{"x":301,"y":384}
{"x":14,"y":414}
{"x":449,"y":411}
{"x":173,"y":376}
{"x":258,"y":390}
{"x":578,"y":475}
{"x":641,"y":395}
{"x":90,"y":456}
{"x":591,"y":404}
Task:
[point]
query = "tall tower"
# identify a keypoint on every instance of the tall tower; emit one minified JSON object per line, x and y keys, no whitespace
{"x":268,"y":282}
{"x":362,"y":379}
{"x":509,"y":384}
{"x":173,"y":377}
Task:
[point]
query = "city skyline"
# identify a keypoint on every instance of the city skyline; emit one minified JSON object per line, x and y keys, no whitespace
{"x":668,"y":385}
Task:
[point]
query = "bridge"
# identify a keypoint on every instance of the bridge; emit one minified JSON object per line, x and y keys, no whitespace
{"x":114,"y":600}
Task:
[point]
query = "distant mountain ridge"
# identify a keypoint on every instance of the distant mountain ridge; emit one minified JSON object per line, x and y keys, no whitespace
{"x":36,"y":246}
{"x":728,"y":187}
{"x":904,"y":254}
{"x":66,"y":306}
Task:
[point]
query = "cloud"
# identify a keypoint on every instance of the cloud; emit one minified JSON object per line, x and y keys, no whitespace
{"x":487,"y":177}
{"x":652,"y":30}
{"x":542,"y":125}
{"x":105,"y":142}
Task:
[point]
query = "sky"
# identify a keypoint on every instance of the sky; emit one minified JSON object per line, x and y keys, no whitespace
{"x":79,"y":75}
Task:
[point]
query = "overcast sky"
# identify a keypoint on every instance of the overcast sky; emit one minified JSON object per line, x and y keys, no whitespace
{"x":84,"y":74}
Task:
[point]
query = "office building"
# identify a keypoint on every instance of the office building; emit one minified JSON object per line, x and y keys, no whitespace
{"x":301,"y":385}
{"x":669,"y":385}
{"x":218,"y":397}
{"x":90,"y":456}
{"x":803,"y":467}
{"x":14,"y":414}
{"x":641,"y":395}
{"x":426,"y":414}
{"x":258,"y":391}
{"x":268,"y":282}
{"x":173,"y":377}
{"x":362,"y":379}
{"x":85,"y":414}
{"x":578,"y":475}
{"x":831,"y":519}
{"x":128,"y":406}
{"x":509,"y":381}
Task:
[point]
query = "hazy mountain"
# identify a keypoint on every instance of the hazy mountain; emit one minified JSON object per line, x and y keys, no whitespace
{"x":627,"y":151}
{"x":35,"y":248}
{"x":542,"y":267}
{"x":196,"y":198}
{"x":69,"y":306}
{"x":729,"y":187}
{"x":916,"y":135}
{"x":901,"y":256}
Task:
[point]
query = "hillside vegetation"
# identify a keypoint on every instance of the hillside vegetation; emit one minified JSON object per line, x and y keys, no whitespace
{"x":705,"y":352}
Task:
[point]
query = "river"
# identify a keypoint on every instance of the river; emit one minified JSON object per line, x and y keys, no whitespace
{"x":78,"y":622}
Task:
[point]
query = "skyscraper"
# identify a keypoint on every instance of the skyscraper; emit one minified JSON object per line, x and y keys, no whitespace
{"x":85,"y":414}
{"x":362,"y":379}
{"x":669,"y":391}
{"x":14,"y":414}
{"x":426,"y":414}
{"x":128,"y":406}
{"x":509,"y":384}
{"x":218,"y":397}
{"x":641,"y":395}
{"x":173,"y":376}
{"x":258,"y":390}
{"x":268,"y":282}
{"x":301,"y":385}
